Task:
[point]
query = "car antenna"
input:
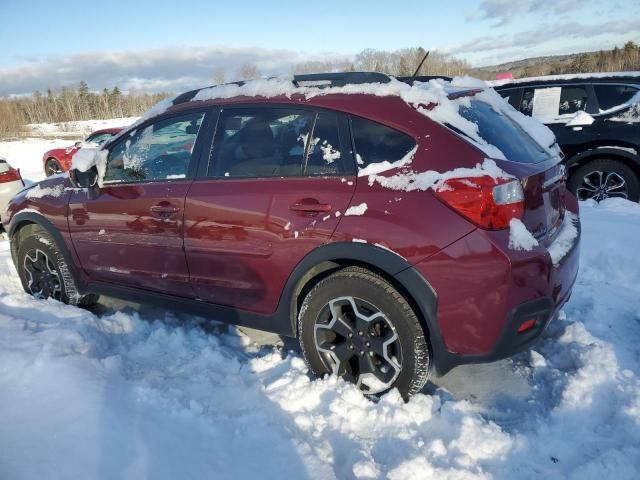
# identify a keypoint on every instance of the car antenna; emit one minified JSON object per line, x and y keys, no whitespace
{"x":415,"y":74}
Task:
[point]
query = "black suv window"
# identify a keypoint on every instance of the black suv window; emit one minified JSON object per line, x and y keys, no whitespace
{"x":611,"y":96}
{"x":376,"y":143}
{"x":325,"y":155}
{"x":260,"y":142}
{"x":159,"y":151}
{"x":572,"y":99}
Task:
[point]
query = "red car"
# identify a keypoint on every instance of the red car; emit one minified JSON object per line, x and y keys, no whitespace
{"x":58,"y":160}
{"x":365,"y":220}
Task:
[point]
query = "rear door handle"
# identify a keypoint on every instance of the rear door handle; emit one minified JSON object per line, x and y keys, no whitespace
{"x":311,"y":207}
{"x":164,"y":210}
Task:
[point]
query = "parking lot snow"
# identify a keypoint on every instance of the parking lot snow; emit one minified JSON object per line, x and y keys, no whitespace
{"x":132,"y":392}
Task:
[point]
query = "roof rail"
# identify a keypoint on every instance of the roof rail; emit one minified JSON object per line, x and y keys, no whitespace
{"x":339,"y":79}
{"x":424,"y":78}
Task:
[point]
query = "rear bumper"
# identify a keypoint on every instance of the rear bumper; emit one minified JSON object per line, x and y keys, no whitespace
{"x":486,"y":292}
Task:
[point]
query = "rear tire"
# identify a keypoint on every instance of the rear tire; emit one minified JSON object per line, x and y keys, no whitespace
{"x":604,"y":178}
{"x":43,"y":271}
{"x":355,"y":323}
{"x":52,"y":167}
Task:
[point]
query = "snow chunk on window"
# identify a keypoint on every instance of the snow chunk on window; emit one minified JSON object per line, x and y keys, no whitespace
{"x":411,"y":181}
{"x":356,"y":210}
{"x":379,"y":167}
{"x":580,"y":118}
{"x":565,"y":239}
{"x":39,"y":191}
{"x":520,"y":238}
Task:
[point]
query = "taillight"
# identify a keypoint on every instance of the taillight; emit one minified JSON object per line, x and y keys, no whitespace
{"x":10,"y":175}
{"x":489,"y":203}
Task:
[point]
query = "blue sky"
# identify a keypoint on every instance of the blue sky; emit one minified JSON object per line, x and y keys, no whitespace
{"x":50,"y":44}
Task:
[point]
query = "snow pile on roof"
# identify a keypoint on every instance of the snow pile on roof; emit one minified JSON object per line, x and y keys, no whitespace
{"x":87,"y":158}
{"x":570,"y":76}
{"x":409,"y":180}
{"x":155,"y":394}
{"x":520,"y":238}
{"x":429,"y":98}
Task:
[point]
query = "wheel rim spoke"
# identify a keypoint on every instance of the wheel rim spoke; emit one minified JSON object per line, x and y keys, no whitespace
{"x":599,"y":185}
{"x":43,"y":280}
{"x":358,"y":342}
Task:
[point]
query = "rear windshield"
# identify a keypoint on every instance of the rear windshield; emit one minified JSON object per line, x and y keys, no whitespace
{"x":502,"y":132}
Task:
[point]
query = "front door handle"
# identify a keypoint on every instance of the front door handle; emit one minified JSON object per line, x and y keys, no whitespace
{"x":164,"y":210}
{"x":311,"y":206}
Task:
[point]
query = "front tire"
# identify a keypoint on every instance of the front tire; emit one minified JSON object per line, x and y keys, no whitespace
{"x":43,"y":271}
{"x":52,"y":167}
{"x":604,"y":178}
{"x":356,"y":325}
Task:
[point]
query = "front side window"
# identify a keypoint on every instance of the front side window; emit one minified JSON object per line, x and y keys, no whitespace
{"x":260,"y":142}
{"x":160,"y":151}
{"x":376,"y":143}
{"x":612,"y":96}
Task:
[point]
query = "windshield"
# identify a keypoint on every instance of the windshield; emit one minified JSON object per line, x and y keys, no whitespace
{"x":502,"y":132}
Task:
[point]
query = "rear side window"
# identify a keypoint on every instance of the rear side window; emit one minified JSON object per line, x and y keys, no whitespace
{"x":260,"y":142}
{"x":611,"y":96}
{"x":551,"y":102}
{"x":502,"y":132}
{"x":378,"y":143}
{"x":325,"y":156}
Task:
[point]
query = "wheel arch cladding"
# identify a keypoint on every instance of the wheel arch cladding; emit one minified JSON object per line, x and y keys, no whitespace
{"x":623,"y":156}
{"x":324,"y":260}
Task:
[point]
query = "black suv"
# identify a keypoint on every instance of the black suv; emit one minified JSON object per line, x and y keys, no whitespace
{"x":596,"y":119}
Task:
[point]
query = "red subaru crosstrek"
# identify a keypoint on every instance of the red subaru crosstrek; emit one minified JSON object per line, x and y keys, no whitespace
{"x":394,"y":228}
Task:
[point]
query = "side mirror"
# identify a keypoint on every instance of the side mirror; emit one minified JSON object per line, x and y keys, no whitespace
{"x":88,"y":179}
{"x":77,"y":144}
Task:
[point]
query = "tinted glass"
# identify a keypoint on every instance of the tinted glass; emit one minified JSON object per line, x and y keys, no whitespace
{"x":99,"y":138}
{"x":376,"y":143}
{"x":502,"y":132}
{"x":160,"y":151}
{"x":260,"y":142}
{"x":572,"y":99}
{"x":610,"y":96}
{"x":325,"y":155}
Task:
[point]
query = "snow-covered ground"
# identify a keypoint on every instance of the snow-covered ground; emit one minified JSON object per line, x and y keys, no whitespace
{"x":79,"y":128}
{"x":130,"y":391}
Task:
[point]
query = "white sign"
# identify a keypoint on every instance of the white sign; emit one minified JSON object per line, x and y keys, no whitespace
{"x":546,"y":102}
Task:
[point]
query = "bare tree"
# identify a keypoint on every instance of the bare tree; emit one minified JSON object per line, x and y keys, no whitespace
{"x":219,"y":76}
{"x":248,"y":71}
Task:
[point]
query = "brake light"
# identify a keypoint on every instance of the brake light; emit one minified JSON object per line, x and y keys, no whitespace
{"x":489,"y":203}
{"x":527,"y":325}
{"x":10,"y":175}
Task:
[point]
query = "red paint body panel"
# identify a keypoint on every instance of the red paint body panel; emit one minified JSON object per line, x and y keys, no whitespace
{"x":242,"y":240}
{"x":119,"y":239}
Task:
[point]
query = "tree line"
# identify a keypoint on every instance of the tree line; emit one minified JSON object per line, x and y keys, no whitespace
{"x":72,"y":104}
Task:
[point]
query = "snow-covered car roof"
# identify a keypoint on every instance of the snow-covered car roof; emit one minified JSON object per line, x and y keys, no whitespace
{"x":616,"y":76}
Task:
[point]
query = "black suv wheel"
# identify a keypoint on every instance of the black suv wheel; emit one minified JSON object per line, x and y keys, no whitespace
{"x":43,"y":271}
{"x":604,"y":178}
{"x":356,"y":325}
